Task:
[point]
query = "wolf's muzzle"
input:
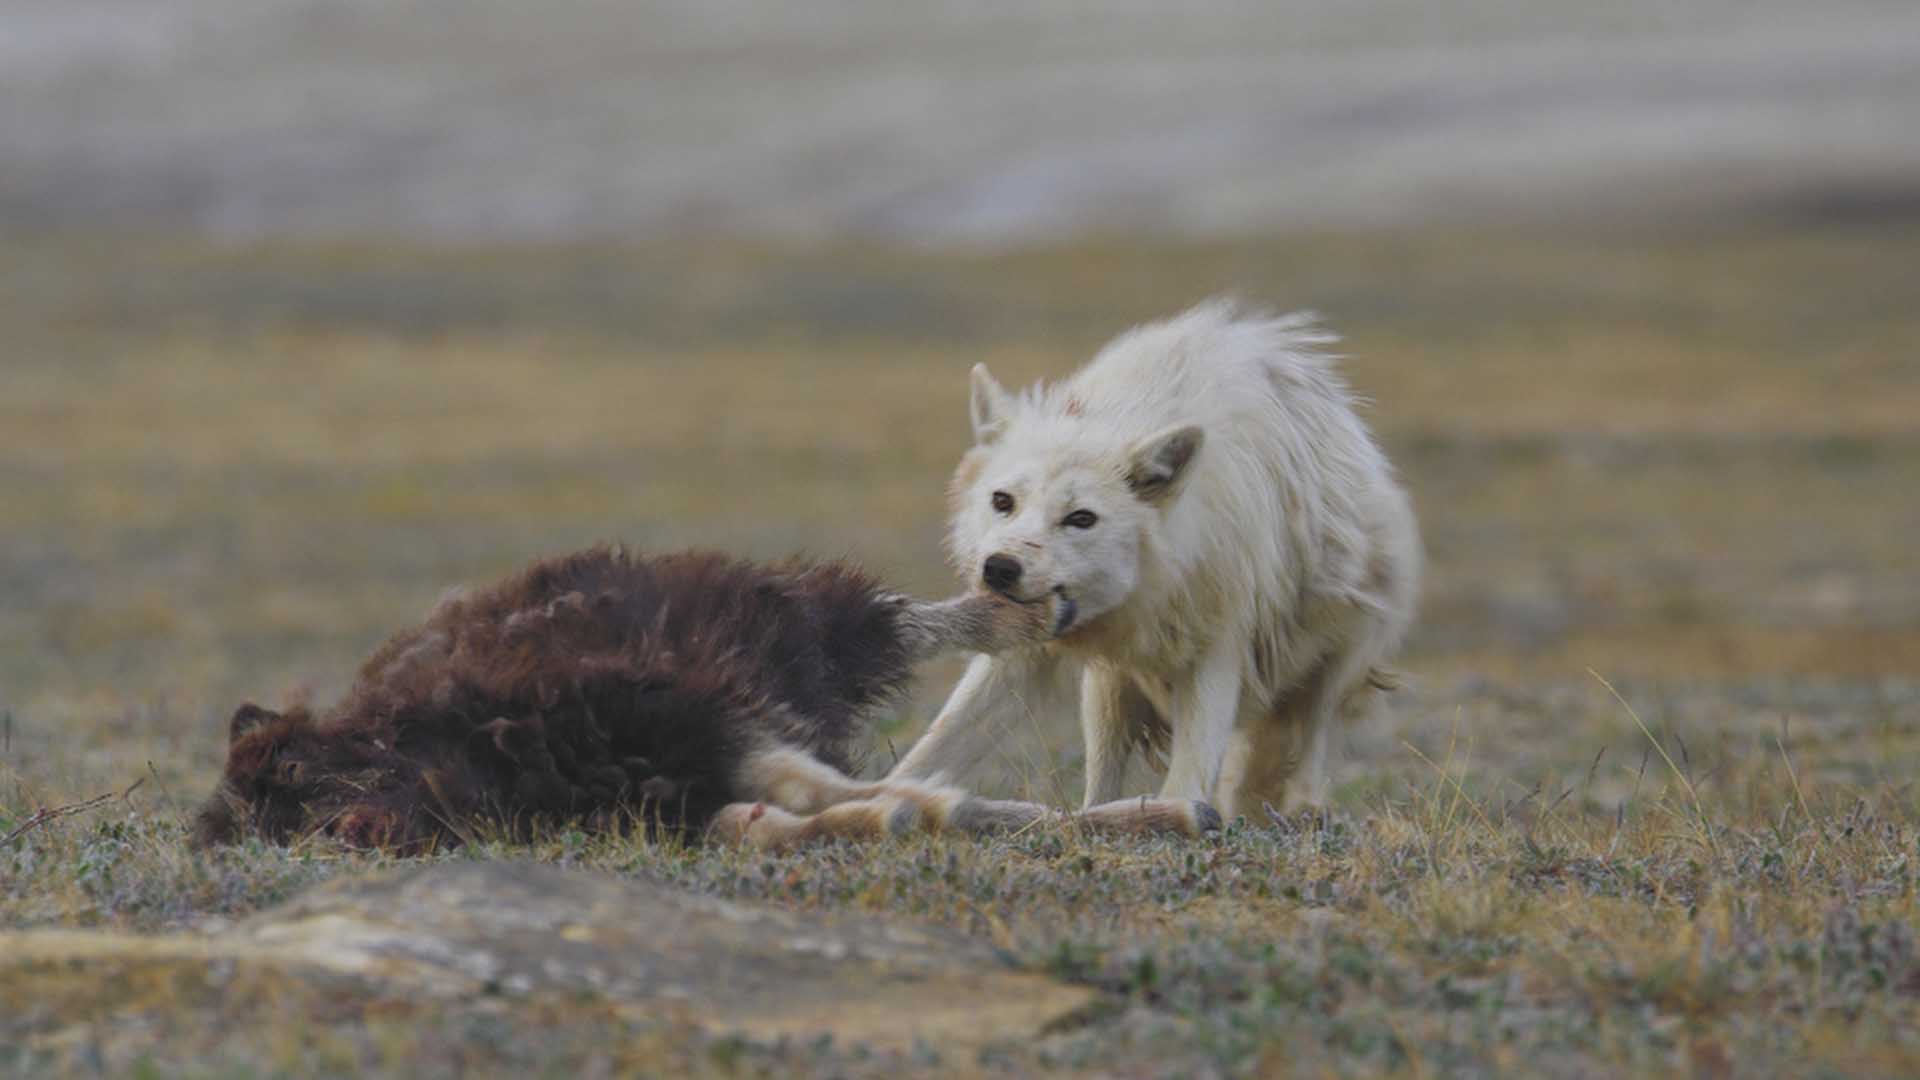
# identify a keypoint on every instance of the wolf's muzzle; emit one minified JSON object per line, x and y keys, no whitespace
{"x":1001,"y":573}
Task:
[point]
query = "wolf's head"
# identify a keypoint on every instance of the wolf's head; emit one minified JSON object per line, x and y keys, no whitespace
{"x":1055,"y":508}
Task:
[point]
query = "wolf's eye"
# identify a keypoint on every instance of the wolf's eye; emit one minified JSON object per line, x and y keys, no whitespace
{"x":1002,"y":502}
{"x":1081,"y":519}
{"x":290,"y":773}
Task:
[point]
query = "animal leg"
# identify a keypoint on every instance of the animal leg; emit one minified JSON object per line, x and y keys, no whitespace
{"x":1145,"y":816}
{"x":979,"y":623}
{"x":1290,"y":743}
{"x":1204,"y":711}
{"x":793,"y":780}
{"x":995,"y":693}
{"x":1316,"y":764}
{"x":762,"y":825}
{"x":892,"y":810}
{"x":805,"y":800}
{"x":1113,"y":715}
{"x":905,"y":809}
{"x":1277,"y":744}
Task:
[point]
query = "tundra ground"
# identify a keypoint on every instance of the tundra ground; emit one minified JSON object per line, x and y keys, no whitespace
{"x":1686,"y":465}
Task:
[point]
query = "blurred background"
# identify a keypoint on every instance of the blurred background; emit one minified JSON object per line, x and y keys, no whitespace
{"x":461,"y":120}
{"x":310,"y":308}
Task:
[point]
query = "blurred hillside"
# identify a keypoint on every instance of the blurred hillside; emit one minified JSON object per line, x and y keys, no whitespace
{"x":462,"y":118}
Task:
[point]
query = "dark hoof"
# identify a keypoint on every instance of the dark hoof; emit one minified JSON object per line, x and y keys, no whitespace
{"x":1206,"y":818}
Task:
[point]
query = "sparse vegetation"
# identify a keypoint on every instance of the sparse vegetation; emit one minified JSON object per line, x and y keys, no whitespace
{"x":1686,"y":463}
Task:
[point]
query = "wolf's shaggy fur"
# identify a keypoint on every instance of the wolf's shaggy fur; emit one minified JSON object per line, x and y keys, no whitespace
{"x":677,"y":692}
{"x":1223,"y":547}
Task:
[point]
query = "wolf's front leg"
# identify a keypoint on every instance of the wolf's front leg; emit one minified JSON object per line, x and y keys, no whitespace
{"x":1205,"y":710}
{"x":995,"y":694}
{"x":1113,"y":713}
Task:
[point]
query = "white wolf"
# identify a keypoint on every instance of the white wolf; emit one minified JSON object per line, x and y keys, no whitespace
{"x":1227,"y":556}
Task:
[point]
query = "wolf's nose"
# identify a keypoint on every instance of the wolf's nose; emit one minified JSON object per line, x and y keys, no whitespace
{"x":1001,"y":573}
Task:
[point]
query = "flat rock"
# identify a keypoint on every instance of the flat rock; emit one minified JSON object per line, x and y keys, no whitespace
{"x":491,"y":931}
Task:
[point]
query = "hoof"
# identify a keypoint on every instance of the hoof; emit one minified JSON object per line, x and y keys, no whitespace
{"x":1206,"y":819}
{"x":734,"y":823}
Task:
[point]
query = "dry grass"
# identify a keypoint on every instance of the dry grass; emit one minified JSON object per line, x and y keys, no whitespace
{"x":1687,"y":463}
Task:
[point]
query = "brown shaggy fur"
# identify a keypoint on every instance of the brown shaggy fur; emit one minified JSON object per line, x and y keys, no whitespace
{"x":601,"y":688}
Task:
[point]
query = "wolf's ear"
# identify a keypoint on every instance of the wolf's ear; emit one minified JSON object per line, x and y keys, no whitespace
{"x":246,"y":718}
{"x":1159,"y":464}
{"x":989,"y":407}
